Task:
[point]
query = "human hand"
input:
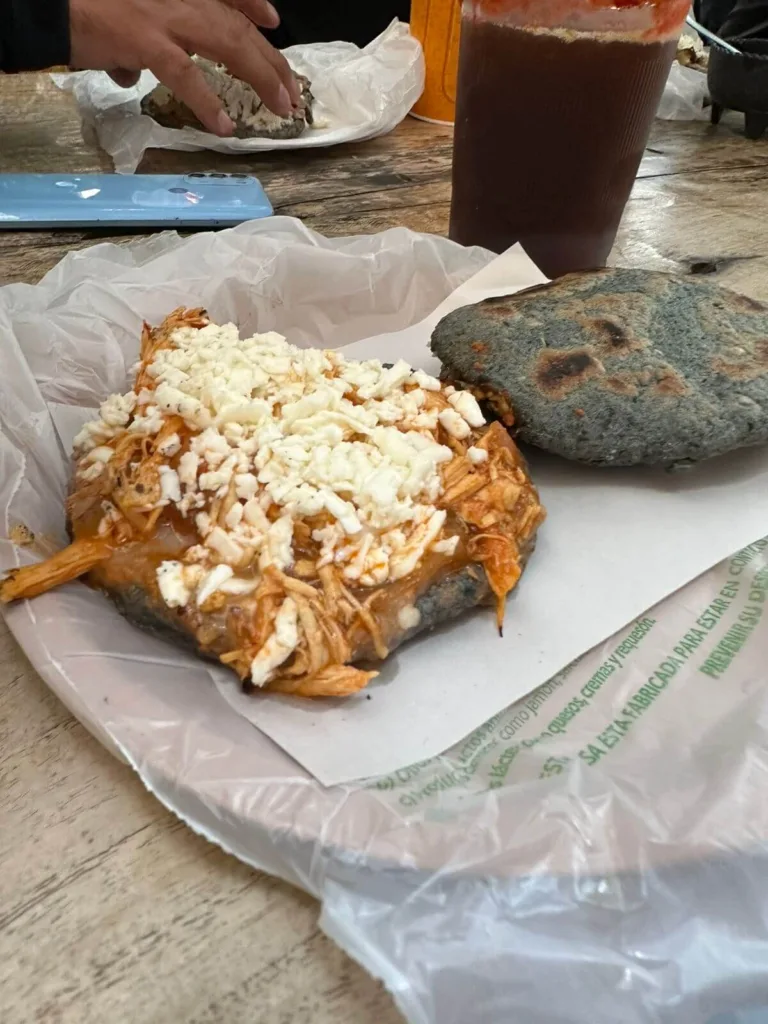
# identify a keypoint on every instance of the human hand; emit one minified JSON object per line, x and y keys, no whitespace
{"x":124,"y":37}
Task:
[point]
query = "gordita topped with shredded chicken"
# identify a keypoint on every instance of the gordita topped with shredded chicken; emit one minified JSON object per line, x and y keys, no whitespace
{"x":293,"y":514}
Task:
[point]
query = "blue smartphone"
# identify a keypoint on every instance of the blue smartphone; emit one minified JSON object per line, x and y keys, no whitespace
{"x":199,"y":200}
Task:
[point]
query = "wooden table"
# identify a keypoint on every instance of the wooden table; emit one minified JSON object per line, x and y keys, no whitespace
{"x":110,"y":908}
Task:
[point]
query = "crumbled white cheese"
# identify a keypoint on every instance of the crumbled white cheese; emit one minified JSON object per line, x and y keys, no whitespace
{"x":102,"y":455}
{"x":278,"y":546}
{"x":217,"y":479}
{"x":446,"y":547}
{"x":180,"y":584}
{"x":213,"y":582}
{"x":246,"y":486}
{"x":115,"y":411}
{"x":254,"y":516}
{"x":342,"y":510}
{"x":148,"y":421}
{"x":389,"y":380}
{"x":305,"y":461}
{"x":466,"y":406}
{"x":203,"y":523}
{"x":189,"y":464}
{"x":409,"y":617}
{"x":238,"y":587}
{"x":170,"y":488}
{"x":282,"y":434}
{"x":455,"y":424}
{"x":173,"y":400}
{"x":477,"y":456}
{"x":114,"y":415}
{"x":280,"y":645}
{"x":234,"y":517}
{"x":426,"y":420}
{"x":170,"y":446}
{"x":177,"y":582}
{"x":221,"y":542}
{"x":329,"y":539}
{"x":213,"y":445}
{"x":426,"y":382}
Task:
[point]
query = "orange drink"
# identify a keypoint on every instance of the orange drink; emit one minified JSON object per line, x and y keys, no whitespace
{"x":437,"y":24}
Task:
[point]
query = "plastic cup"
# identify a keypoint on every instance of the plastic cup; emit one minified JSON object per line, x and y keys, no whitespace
{"x":556,"y":99}
{"x":437,"y":25}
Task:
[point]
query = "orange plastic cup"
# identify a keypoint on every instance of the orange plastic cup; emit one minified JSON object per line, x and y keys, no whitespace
{"x":437,"y":26}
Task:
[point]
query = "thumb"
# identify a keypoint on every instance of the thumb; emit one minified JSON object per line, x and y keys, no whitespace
{"x":124,"y":78}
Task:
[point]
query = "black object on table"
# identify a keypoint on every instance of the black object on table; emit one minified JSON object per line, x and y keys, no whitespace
{"x":738,"y":81}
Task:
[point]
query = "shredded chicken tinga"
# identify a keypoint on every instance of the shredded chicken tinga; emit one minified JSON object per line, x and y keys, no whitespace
{"x":285,"y":510}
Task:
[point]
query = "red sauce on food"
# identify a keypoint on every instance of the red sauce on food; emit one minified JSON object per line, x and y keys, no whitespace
{"x":666,"y":16}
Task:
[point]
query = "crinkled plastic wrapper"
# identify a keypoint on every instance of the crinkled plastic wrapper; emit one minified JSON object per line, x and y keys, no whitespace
{"x":359,"y":94}
{"x":595,"y":854}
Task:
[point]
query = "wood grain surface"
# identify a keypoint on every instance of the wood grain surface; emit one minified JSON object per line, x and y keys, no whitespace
{"x":110,"y":908}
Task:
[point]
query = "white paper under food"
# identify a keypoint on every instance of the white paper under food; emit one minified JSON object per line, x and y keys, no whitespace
{"x":360,"y":94}
{"x":597,"y":853}
{"x":610,"y":549}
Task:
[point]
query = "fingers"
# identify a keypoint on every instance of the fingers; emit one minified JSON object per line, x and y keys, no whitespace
{"x":286,"y":78}
{"x":178,"y":72}
{"x":124,"y":78}
{"x":249,"y":57}
{"x":260,"y":12}
{"x":224,"y":34}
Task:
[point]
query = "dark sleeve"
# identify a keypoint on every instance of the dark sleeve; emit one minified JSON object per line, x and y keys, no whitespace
{"x":34,"y":34}
{"x":712,"y":13}
{"x":354,"y":21}
{"x":748,"y":19}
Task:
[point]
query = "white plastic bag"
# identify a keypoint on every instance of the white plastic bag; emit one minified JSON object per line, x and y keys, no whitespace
{"x":685,"y":95}
{"x":359,"y":94}
{"x":597,"y":854}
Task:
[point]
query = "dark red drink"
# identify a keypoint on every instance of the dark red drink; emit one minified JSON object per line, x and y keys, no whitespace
{"x":555,"y":102}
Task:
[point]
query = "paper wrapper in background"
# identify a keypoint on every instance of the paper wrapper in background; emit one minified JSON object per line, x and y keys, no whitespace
{"x":359,"y":94}
{"x":593,"y":854}
{"x":686,"y":95}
